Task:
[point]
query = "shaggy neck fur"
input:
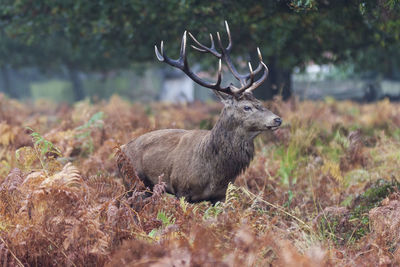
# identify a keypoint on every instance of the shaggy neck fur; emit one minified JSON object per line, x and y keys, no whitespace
{"x":228,"y":148}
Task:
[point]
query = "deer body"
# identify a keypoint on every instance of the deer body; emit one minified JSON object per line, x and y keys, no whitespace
{"x":199,"y":164}
{"x":192,"y":165}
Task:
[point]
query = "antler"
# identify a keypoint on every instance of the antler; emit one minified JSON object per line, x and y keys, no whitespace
{"x":246,"y":80}
{"x":181,"y":63}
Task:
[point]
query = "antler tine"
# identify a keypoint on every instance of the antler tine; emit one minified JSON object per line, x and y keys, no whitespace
{"x":229,"y":47}
{"x":212,"y":41}
{"x":259,"y":81}
{"x":180,"y":62}
{"x":259,"y":54}
{"x":249,"y":83}
{"x":205,"y":49}
{"x":182,"y":53}
{"x":226,"y":56}
{"x":219,"y":79}
{"x":159,"y":55}
{"x":251,"y":73}
{"x":259,"y":67}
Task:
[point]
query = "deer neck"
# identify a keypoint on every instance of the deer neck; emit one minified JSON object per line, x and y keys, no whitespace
{"x":228,"y":147}
{"x":228,"y":133}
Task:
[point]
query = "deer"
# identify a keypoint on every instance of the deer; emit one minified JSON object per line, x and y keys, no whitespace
{"x":199,"y":164}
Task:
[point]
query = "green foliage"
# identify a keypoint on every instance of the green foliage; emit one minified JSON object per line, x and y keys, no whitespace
{"x":288,"y":165}
{"x":292,"y":154}
{"x":213,"y":211}
{"x":84,"y":132}
{"x":165,"y":220}
{"x":43,"y":145}
{"x":371,"y":198}
{"x":351,"y":226}
{"x":43,"y":150}
{"x":301,"y":5}
{"x":341,"y":140}
{"x":290,"y":198}
{"x":94,"y":122}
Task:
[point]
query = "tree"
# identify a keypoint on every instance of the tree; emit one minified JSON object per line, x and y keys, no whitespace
{"x":103,"y":35}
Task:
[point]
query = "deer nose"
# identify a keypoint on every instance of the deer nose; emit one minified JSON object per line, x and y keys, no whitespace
{"x":278,"y":121}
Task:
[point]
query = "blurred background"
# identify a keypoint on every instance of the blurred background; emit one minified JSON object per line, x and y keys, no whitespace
{"x":70,"y":50}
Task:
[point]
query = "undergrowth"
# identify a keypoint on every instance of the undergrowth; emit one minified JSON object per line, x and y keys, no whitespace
{"x":68,"y":196}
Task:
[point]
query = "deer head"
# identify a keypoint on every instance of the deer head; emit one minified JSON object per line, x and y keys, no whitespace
{"x":241,"y":107}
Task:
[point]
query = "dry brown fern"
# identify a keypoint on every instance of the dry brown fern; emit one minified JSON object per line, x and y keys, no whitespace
{"x":355,"y":155}
{"x":58,"y":222}
{"x":10,"y":194}
{"x":69,"y":176}
{"x":129,"y":175}
{"x":105,"y":188}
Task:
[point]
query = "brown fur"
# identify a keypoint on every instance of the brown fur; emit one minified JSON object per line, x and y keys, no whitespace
{"x":199,"y":164}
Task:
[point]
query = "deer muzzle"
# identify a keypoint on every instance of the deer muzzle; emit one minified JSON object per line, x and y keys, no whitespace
{"x":276,"y":122}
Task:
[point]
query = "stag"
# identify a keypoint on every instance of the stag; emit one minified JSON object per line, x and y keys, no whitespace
{"x":199,"y":164}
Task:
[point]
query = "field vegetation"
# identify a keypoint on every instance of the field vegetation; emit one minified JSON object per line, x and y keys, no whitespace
{"x":321,"y":191}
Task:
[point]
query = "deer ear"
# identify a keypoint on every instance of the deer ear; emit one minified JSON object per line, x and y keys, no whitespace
{"x":224,"y":98}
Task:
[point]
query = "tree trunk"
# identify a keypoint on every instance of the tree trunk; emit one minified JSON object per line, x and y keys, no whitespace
{"x":77,"y":87}
{"x":6,"y":82}
{"x":279,"y":80}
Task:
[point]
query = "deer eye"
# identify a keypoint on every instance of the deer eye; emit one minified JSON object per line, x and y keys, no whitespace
{"x":247,"y":108}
